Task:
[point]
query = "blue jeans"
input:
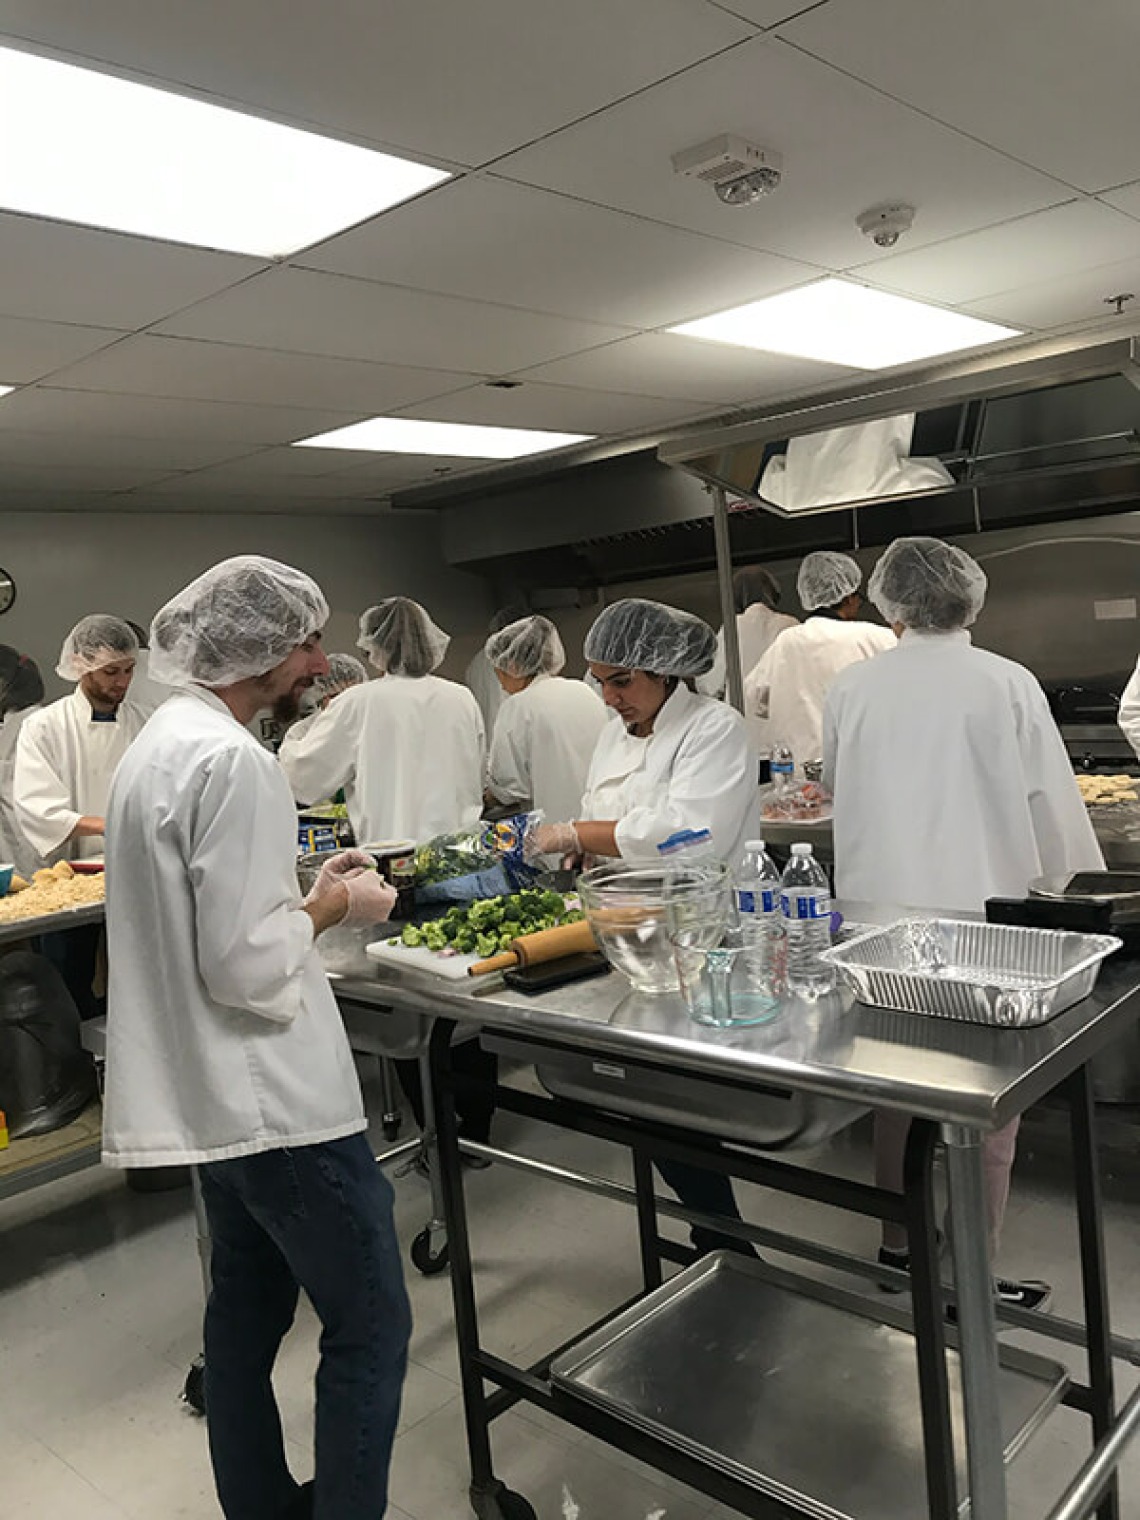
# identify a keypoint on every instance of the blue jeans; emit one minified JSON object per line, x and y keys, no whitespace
{"x":319,"y":1218}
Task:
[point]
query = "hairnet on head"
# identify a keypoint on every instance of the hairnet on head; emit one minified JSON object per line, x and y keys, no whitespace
{"x":400,"y":638}
{"x":641,"y":635}
{"x":344,"y":670}
{"x":21,"y":684}
{"x":96,"y":640}
{"x":826,"y":579}
{"x":505,"y":616}
{"x":755,"y":584}
{"x":239,"y":619}
{"x":530,"y":647}
{"x":924,"y":583}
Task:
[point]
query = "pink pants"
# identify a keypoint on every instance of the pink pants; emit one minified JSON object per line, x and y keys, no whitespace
{"x":891,"y":1130}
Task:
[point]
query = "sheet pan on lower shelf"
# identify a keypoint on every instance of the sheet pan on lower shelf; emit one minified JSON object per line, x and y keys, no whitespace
{"x":805,"y":1389}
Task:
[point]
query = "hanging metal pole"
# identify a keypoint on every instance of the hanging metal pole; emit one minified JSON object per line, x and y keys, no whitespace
{"x":735,"y":678}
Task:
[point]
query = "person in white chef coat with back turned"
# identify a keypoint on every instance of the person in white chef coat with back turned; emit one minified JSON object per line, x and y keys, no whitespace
{"x":791,"y":681}
{"x":226,"y":1049}
{"x":952,"y":785}
{"x":668,"y":760}
{"x":67,"y":753}
{"x":547,"y":728}
{"x":407,"y":749}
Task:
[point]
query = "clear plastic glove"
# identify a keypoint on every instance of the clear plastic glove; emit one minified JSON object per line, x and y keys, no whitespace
{"x":336,"y":869}
{"x":370,"y":898}
{"x":554,"y":839}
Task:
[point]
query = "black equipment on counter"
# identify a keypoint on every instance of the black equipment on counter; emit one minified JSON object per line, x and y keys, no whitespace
{"x":1090,"y":902}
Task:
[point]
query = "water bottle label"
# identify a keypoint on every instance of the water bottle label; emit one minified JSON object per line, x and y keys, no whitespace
{"x":782,"y":767}
{"x":770,"y":900}
{"x":746,"y":902}
{"x":804,"y":907}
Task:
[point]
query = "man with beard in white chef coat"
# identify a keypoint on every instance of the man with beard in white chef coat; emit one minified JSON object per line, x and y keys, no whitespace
{"x":951,"y":785}
{"x":791,"y":682}
{"x":68,"y":752}
{"x":546,"y":730}
{"x":407,"y":749}
{"x":226,"y":1049}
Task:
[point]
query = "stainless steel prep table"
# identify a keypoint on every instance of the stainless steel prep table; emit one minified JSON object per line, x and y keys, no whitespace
{"x":960,"y":1081}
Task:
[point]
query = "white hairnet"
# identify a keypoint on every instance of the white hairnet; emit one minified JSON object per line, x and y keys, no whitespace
{"x":924,"y":583}
{"x":239,"y":619}
{"x":344,"y":670}
{"x":95,"y":641}
{"x":826,"y":579}
{"x":639,"y":635}
{"x":530,"y":647}
{"x":400,"y":638}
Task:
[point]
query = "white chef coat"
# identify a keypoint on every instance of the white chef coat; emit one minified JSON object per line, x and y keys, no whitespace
{"x":696,"y":770}
{"x":542,"y":746}
{"x":408,"y":752}
{"x":65,"y":762}
{"x":146,"y":692}
{"x":483,"y":683}
{"x":14,"y":848}
{"x":1129,"y":716}
{"x":791,"y":682}
{"x":757,"y":628}
{"x":223,"y":1036}
{"x":951,"y":780}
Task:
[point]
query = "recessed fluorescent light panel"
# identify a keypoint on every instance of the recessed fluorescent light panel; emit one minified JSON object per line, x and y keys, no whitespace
{"x":6,"y":389}
{"x":838,"y":322}
{"x":457,"y":440}
{"x":86,"y":147}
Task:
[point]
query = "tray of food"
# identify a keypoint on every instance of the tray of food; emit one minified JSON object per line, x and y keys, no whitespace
{"x":52,"y":891}
{"x":808,"y":802}
{"x":998,"y":974}
{"x":1108,"y":791}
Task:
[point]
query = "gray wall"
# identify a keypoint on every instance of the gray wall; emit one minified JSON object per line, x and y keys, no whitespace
{"x":67,"y":564}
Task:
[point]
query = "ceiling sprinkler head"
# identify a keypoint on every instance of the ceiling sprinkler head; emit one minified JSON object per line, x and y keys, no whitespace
{"x":1119,"y":301}
{"x":884,"y":225}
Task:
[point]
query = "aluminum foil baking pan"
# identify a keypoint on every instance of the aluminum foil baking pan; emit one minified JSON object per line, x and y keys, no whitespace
{"x":999,"y":974}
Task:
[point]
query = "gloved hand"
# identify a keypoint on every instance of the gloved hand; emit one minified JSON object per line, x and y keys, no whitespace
{"x":554,"y":839}
{"x":336,"y":868}
{"x":370,"y":898}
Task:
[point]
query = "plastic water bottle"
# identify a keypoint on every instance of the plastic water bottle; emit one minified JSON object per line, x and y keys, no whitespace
{"x":805,"y":902}
{"x":762,"y":928}
{"x":783,"y":766}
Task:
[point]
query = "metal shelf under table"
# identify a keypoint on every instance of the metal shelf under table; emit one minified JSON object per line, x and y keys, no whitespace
{"x":805,"y":1390}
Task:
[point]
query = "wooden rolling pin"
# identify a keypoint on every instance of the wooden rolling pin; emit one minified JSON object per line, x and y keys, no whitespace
{"x":546,"y":945}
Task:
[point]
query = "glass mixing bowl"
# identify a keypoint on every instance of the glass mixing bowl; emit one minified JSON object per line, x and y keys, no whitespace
{"x":630,"y":909}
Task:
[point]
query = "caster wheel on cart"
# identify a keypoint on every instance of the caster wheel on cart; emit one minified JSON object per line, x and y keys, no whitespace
{"x":194,"y":1388}
{"x":502,"y":1504}
{"x":425,"y":1259}
{"x":391,"y":1130}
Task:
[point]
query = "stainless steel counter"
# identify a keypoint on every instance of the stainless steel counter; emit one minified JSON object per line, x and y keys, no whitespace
{"x":935,"y":1068}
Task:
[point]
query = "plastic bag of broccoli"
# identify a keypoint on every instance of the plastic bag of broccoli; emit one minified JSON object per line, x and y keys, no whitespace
{"x":485,"y":863}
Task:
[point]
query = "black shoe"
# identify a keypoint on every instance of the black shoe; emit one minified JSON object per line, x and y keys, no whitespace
{"x":474,"y":1163}
{"x":1031,"y":1294}
{"x":900,"y":1261}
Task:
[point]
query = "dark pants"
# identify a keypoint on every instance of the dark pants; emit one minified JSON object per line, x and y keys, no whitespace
{"x":475,"y":1109}
{"x":710,"y":1193}
{"x":75,"y":955}
{"x":319,"y":1218}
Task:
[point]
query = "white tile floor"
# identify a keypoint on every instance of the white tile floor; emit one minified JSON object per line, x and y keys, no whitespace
{"x":100,"y":1303}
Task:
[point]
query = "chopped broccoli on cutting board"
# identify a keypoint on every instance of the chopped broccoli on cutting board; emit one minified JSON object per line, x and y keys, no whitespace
{"x":489,"y":926}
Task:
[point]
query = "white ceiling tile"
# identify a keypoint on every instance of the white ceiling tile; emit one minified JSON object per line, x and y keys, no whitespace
{"x":49,"y":476}
{"x":1126,"y":199}
{"x":146,"y":502}
{"x":1055,"y":244}
{"x":78,"y":450}
{"x":461,"y":82}
{"x":663,"y":364}
{"x":306,"y":312}
{"x":29,"y":350}
{"x":1055,"y":88}
{"x":845,"y":148}
{"x":47,"y":409}
{"x":765,"y":13}
{"x":1074,"y":298}
{"x":24,"y":500}
{"x":385,"y":472}
{"x":563,"y":408}
{"x":154,"y":366}
{"x":223,"y":481}
{"x":73,"y":274}
{"x":490,"y":240}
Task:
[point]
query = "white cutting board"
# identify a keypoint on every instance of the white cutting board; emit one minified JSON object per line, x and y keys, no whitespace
{"x":453,"y":967}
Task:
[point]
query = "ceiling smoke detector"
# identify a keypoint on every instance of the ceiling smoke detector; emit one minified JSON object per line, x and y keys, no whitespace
{"x":884,"y":225}
{"x":740,"y":172}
